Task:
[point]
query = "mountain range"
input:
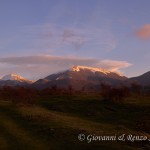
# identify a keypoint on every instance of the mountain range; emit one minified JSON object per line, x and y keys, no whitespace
{"x":77,"y":77}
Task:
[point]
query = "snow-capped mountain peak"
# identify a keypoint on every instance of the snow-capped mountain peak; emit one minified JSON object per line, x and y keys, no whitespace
{"x":11,"y":77}
{"x":80,"y":77}
{"x":79,"y":68}
{"x":14,"y":77}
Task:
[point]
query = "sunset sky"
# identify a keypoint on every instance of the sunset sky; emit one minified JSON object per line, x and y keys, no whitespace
{"x":40,"y":37}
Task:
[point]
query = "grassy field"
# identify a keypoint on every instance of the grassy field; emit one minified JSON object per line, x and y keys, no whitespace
{"x":55,"y":122}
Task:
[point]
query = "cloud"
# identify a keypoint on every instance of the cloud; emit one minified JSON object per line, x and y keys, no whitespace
{"x":144,"y":32}
{"x":114,"y":65}
{"x":61,"y":39}
{"x":35,"y":67}
{"x":54,"y":36}
{"x":70,"y":37}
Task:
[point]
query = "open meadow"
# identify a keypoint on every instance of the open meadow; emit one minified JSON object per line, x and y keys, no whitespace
{"x":54,"y":123}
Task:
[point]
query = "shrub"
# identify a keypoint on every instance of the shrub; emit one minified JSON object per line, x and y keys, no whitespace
{"x":19,"y":94}
{"x":114,"y":94}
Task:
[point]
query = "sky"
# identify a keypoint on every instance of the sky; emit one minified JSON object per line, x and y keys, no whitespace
{"x":40,"y":37}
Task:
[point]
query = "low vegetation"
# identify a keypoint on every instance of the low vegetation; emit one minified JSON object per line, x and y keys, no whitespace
{"x":52,"y":119}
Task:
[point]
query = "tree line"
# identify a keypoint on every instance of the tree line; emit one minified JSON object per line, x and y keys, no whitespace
{"x":28,"y":95}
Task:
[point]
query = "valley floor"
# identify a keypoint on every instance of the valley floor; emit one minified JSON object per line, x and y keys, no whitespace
{"x":55,"y":122}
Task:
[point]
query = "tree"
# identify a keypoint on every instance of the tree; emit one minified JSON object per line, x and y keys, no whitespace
{"x":70,"y":89}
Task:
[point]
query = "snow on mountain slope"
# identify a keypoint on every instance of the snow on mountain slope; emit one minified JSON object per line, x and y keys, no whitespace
{"x":79,"y":77}
{"x":94,"y":70}
{"x":85,"y":73}
{"x":15,"y":77}
{"x":79,"y":68}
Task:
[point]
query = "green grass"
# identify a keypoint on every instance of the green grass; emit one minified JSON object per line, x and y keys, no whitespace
{"x":54,"y":123}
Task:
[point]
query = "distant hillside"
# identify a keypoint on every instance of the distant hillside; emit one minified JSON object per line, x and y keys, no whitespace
{"x":143,"y":79}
